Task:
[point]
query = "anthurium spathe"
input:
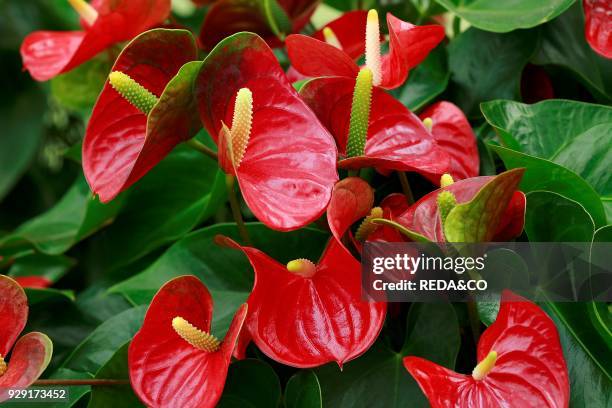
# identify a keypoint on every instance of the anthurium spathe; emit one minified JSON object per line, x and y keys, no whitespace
{"x":174,"y":360}
{"x":598,"y":26}
{"x":105,"y":22}
{"x":143,"y":112}
{"x":30,"y":355}
{"x":520,"y":364}
{"x":304,"y":314}
{"x":408,"y":46}
{"x":271,"y":19}
{"x":454,"y":134}
{"x":506,"y":208}
{"x":373,"y":129}
{"x":282,"y":156}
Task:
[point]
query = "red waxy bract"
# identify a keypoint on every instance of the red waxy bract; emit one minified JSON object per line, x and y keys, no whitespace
{"x":33,"y":281}
{"x":352,"y":199}
{"x":454,"y":135}
{"x":396,"y":140}
{"x":49,"y":53}
{"x":121,"y":143}
{"x":167,"y":371}
{"x":598,"y":25}
{"x":31,"y":354}
{"x":309,"y":321}
{"x":529,"y":372}
{"x":409,"y":45}
{"x":289,"y":169}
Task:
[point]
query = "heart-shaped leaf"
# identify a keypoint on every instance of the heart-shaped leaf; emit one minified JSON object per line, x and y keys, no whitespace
{"x":303,"y":391}
{"x":251,"y":383}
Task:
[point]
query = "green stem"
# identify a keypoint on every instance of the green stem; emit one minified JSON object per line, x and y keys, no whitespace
{"x":230,"y":181}
{"x":405,"y":187}
{"x":200,"y":147}
{"x":92,"y":382}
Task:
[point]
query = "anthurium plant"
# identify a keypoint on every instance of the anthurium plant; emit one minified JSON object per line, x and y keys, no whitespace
{"x":188,"y":189}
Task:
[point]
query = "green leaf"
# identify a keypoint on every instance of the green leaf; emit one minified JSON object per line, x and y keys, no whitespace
{"x":116,"y":396}
{"x":486,"y":66}
{"x":36,"y":295}
{"x":545,"y":175}
{"x":379,"y":379}
{"x":505,"y":16}
{"x":477,"y":219}
{"x":563,"y":44}
{"x":79,"y":88}
{"x":51,"y":267}
{"x":550,"y":217}
{"x":426,"y":82}
{"x":76,"y":216}
{"x":179,"y":193}
{"x":303,"y":391}
{"x":250,"y":383}
{"x":225,"y":271}
{"x":100,"y":346}
{"x":581,"y":144}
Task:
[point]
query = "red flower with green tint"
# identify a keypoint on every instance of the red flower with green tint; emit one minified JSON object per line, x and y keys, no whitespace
{"x":271,"y":19}
{"x":143,"y":112}
{"x":409,"y":45}
{"x":598,"y":25}
{"x":373,"y":129}
{"x":105,"y":22}
{"x":282,"y":156}
{"x":520,"y":364}
{"x":304,"y":314}
{"x":174,"y":360}
{"x":30,"y":355}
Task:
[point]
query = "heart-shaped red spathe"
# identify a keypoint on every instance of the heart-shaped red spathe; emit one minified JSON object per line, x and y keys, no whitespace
{"x":409,"y":45}
{"x":396,"y":139}
{"x":49,"y":53}
{"x":454,"y":134}
{"x":31,"y":354}
{"x":33,"y":281}
{"x":167,"y":371}
{"x":598,"y":26}
{"x":423,"y":217}
{"x":310,"y":321}
{"x":530,"y":370}
{"x":289,"y":168}
{"x":344,"y":27}
{"x":352,"y":199}
{"x":121,"y":143}
{"x":227,"y":17}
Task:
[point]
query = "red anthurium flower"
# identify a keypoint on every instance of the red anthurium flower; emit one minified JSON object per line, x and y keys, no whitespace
{"x":408,"y":46}
{"x":306,"y":315}
{"x":423,"y":217}
{"x":282,"y":156}
{"x":105,"y":22}
{"x":31,"y":354}
{"x":384,"y":133}
{"x":598,"y":26}
{"x":521,"y":364}
{"x":268,"y":19}
{"x":141,"y":115}
{"x":174,"y":361}
{"x":33,"y":281}
{"x":454,"y":134}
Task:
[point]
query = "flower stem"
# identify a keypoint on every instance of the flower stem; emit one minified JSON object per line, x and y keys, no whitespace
{"x":92,"y":382}
{"x":235,"y":206}
{"x":200,"y":147}
{"x":406,"y":187}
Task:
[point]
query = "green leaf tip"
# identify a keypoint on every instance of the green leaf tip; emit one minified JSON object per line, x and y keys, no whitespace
{"x":132,"y":91}
{"x":360,"y":114}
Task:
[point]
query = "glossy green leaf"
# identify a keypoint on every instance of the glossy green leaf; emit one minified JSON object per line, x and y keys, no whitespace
{"x":477,"y":220}
{"x":303,"y":391}
{"x":51,"y":267}
{"x":76,"y":216}
{"x":601,"y":313}
{"x":504,"y":16}
{"x":225,"y":271}
{"x":545,"y":175}
{"x":379,"y":379}
{"x":563,"y":44}
{"x":117,"y":396}
{"x":250,"y":383}
{"x":486,"y":66}
{"x":581,"y":144}
{"x":36,"y":295}
{"x":428,"y":80}
{"x":79,"y":88}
